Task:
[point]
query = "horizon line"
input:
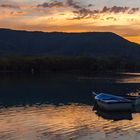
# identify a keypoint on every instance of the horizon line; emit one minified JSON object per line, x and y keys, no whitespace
{"x":130,"y":38}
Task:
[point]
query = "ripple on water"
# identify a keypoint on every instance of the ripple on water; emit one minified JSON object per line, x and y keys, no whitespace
{"x":63,"y":122}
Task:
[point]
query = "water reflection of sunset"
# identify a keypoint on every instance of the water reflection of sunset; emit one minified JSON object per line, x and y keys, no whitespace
{"x":63,"y":122}
{"x":129,"y":78}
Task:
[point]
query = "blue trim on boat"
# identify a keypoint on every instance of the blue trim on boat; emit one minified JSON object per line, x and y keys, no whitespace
{"x":111,"y":99}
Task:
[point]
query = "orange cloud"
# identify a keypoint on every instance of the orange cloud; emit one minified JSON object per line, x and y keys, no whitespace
{"x":51,"y":4}
{"x":9,"y":6}
{"x":70,"y":16}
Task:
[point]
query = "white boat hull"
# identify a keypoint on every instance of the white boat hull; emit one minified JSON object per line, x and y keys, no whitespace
{"x":114,"y":106}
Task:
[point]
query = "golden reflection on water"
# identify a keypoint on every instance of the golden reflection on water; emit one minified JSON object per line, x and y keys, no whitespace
{"x":129,"y":78}
{"x":49,"y":122}
{"x":135,"y":79}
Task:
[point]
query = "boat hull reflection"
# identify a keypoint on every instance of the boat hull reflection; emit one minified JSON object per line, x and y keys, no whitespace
{"x":116,"y":116}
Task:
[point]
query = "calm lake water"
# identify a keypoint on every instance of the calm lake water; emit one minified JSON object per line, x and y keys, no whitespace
{"x":60,"y":107}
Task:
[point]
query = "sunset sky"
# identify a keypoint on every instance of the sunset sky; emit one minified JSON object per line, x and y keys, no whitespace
{"x":119,"y":16}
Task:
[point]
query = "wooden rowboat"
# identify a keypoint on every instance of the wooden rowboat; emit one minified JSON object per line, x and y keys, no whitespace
{"x":113,"y":103}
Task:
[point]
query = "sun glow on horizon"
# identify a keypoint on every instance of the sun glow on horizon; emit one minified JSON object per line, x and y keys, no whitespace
{"x":72,"y":16}
{"x":135,"y":39}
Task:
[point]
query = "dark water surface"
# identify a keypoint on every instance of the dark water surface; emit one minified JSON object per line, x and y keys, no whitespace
{"x":59,"y":107}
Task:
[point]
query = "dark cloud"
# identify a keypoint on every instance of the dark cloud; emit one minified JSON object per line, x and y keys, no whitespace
{"x":75,"y":5}
{"x":133,"y":10}
{"x":87,"y":13}
{"x":115,"y":9}
{"x":90,"y":5}
{"x":82,"y":12}
{"x":51,"y":4}
{"x":118,"y":9}
{"x":111,"y":18}
{"x":9,"y":6}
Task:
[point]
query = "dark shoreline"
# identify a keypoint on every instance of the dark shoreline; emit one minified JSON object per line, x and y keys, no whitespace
{"x":55,"y":64}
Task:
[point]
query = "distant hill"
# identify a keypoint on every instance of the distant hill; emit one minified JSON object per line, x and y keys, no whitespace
{"x":91,"y":44}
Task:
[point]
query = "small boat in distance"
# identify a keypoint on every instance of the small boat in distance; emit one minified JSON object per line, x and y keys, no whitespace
{"x":112,"y":103}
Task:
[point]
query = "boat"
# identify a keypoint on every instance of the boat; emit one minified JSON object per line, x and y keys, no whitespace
{"x":112,"y":103}
{"x":135,"y":100}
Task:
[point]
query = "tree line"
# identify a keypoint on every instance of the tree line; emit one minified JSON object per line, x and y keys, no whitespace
{"x":64,"y":64}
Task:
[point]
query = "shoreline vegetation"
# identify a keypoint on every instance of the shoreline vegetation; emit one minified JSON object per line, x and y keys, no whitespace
{"x":35,"y":64}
